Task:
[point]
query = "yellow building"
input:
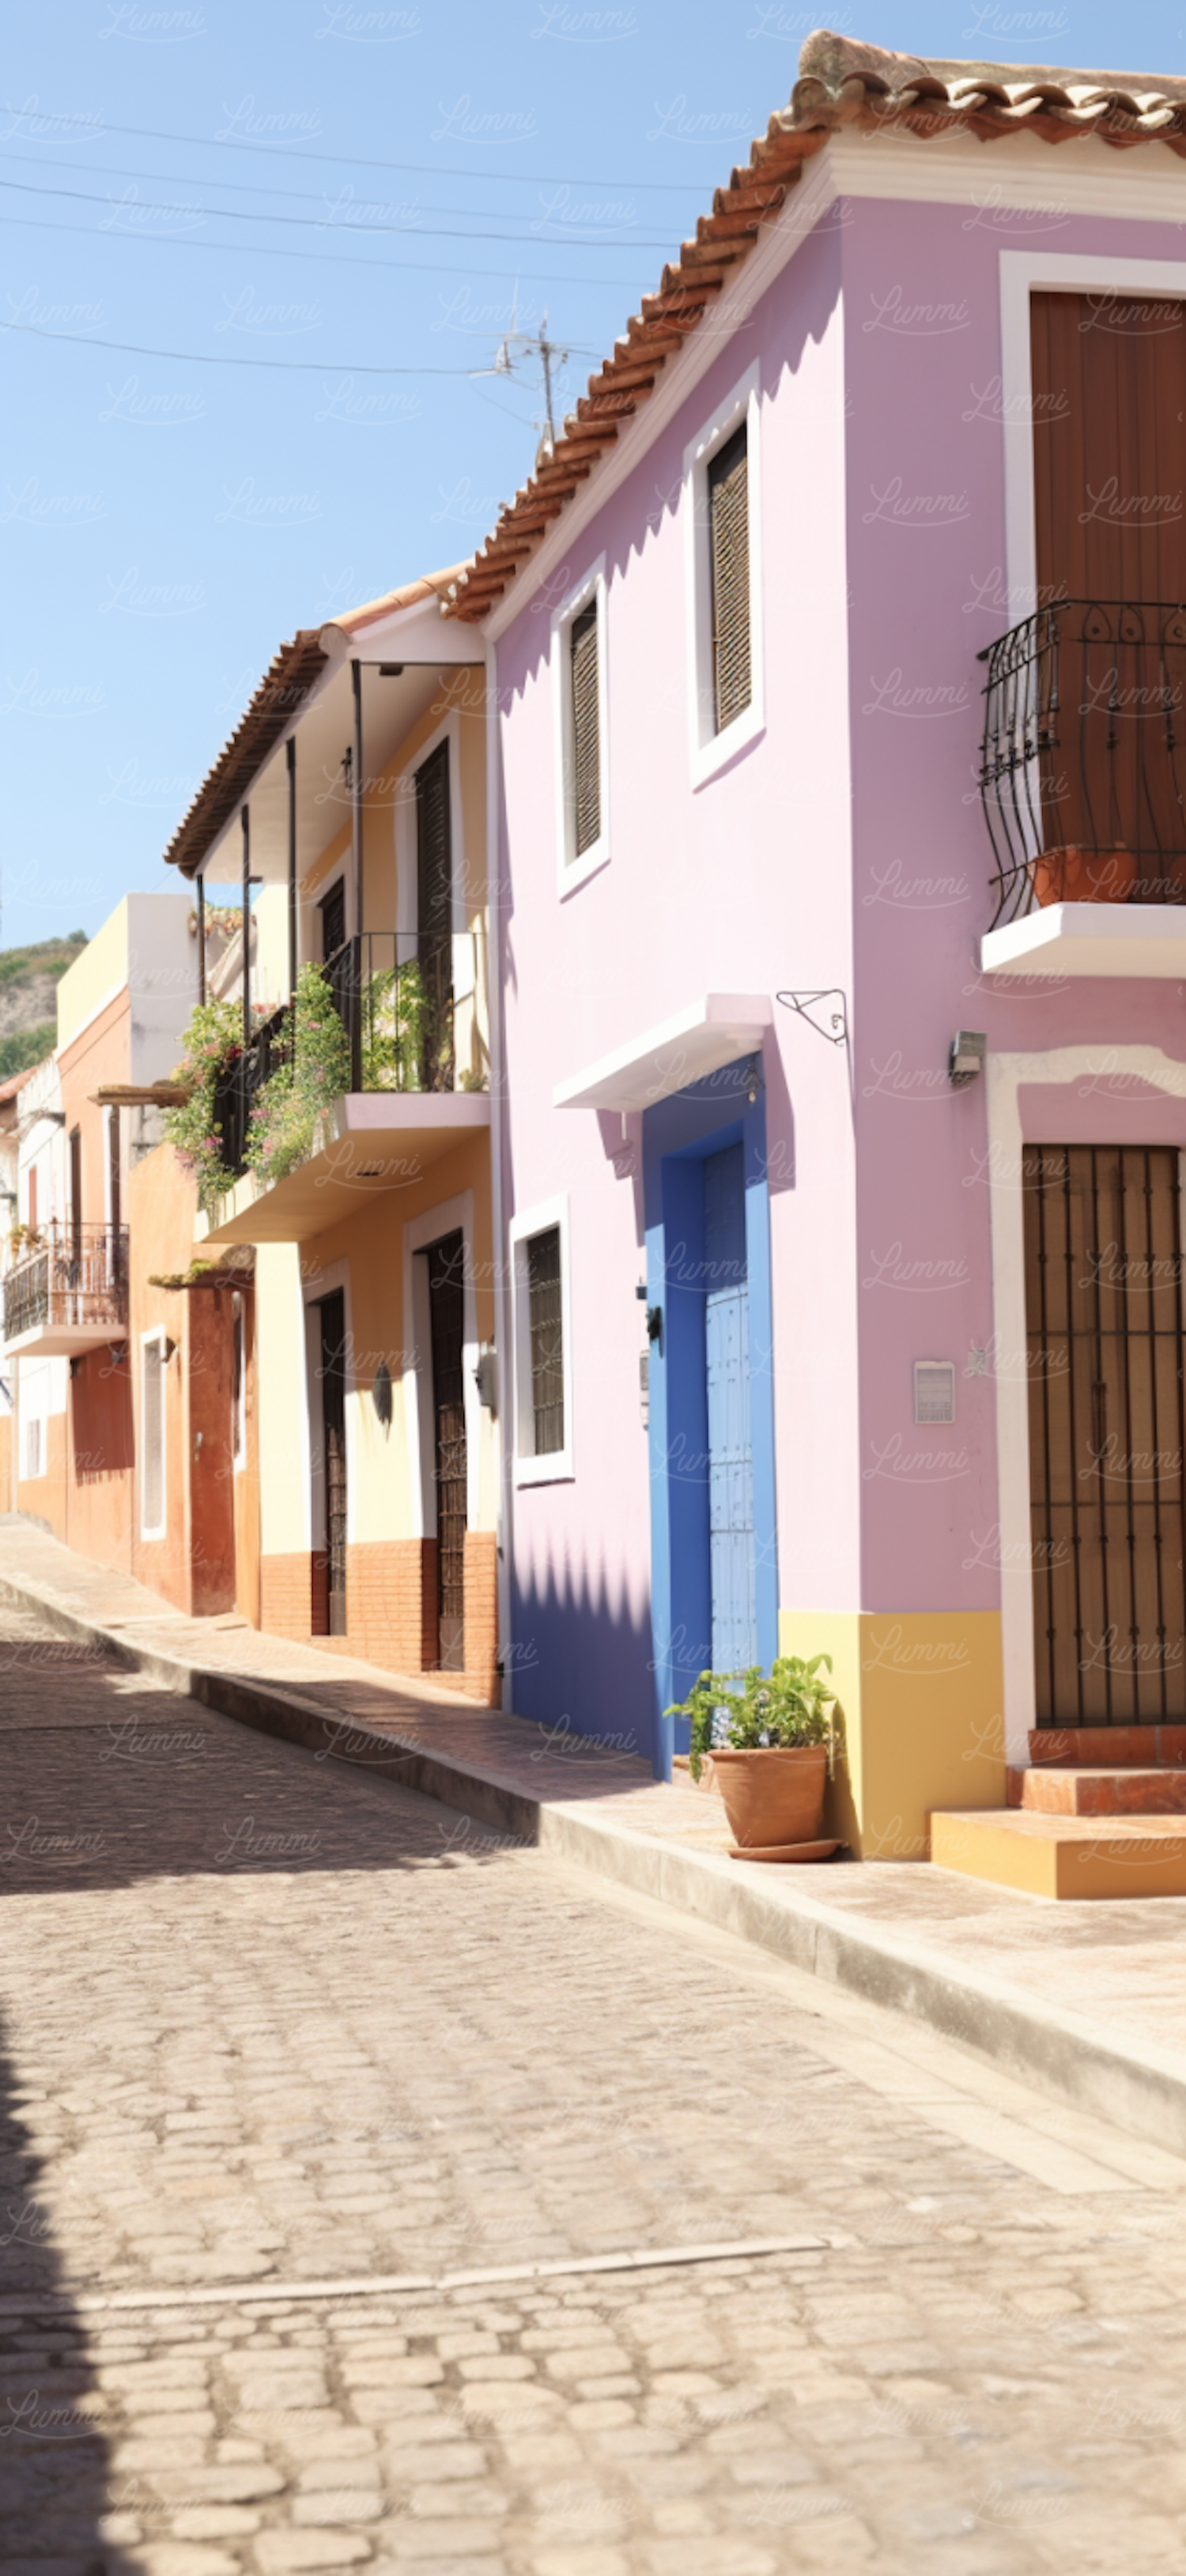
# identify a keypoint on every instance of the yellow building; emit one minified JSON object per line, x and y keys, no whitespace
{"x":344,"y":825}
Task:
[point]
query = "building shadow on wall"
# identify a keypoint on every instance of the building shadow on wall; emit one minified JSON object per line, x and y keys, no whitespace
{"x":582,"y":1664}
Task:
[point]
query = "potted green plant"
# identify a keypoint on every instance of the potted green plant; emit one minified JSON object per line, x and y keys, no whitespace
{"x":773,"y":1738}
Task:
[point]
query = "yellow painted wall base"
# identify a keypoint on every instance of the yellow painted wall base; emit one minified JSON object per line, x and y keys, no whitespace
{"x":923,"y":1699}
{"x":1065,"y":1856}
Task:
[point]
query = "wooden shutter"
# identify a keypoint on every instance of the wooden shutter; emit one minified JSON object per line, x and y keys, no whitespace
{"x":728,"y":531}
{"x":1109,"y":387}
{"x":1109,"y":381}
{"x":586,"y":730}
{"x":547,"y":1341}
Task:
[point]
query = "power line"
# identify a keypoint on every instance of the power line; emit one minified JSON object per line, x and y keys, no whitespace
{"x":243,"y":215}
{"x":243,"y":188}
{"x":355,"y":160}
{"x":197,"y":358}
{"x":345,"y":259}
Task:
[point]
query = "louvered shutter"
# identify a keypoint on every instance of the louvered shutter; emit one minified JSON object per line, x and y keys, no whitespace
{"x":546,"y":1324}
{"x":728,"y":530}
{"x":586,"y":731}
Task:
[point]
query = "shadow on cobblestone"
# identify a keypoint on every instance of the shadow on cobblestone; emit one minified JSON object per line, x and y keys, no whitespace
{"x":109,"y":1781}
{"x":53,"y":2451}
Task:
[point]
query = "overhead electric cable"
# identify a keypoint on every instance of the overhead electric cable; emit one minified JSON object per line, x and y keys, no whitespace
{"x":198,"y":357}
{"x":344,"y":259}
{"x":243,"y":215}
{"x":354,"y":160}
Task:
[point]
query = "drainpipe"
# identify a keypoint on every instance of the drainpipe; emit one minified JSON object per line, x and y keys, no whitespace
{"x":292,"y":867}
{"x":201,"y":885}
{"x":245,"y":820}
{"x":504,"y":1539}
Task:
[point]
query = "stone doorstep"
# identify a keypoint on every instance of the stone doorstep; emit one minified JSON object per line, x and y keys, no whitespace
{"x":1081,"y":1789}
{"x":1138,"y":2085}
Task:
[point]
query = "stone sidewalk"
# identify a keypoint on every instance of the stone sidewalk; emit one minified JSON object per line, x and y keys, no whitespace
{"x":1088,"y":2000}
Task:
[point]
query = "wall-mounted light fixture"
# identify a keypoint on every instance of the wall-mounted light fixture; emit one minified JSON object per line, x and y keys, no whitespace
{"x":381,"y":1396}
{"x":966,"y":1059}
{"x":486,"y":1378}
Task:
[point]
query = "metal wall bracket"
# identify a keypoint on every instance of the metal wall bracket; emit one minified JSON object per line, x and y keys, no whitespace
{"x":837,"y":1031}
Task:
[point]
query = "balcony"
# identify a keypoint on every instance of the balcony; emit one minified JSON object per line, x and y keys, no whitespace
{"x":415,"y":1016}
{"x":68,"y":1293}
{"x":1083,"y":781}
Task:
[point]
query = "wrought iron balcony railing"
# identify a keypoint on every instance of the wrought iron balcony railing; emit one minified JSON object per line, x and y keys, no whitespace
{"x":69,"y":1275}
{"x":415,"y":1015}
{"x":1083,"y":764}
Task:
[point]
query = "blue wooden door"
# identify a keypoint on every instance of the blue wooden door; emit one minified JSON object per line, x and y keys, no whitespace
{"x":730,"y":1453}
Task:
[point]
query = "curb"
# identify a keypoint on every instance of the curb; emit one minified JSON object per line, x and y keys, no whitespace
{"x":1137,"y":2086}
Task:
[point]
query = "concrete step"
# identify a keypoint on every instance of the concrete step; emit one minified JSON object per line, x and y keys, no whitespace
{"x":1064,"y":1856}
{"x":1084,"y":1789}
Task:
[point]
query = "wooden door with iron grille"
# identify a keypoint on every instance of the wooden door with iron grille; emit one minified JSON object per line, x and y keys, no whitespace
{"x":1103,"y":1260}
{"x":333,"y":1417}
{"x":1109,"y":402}
{"x":446,"y":1302}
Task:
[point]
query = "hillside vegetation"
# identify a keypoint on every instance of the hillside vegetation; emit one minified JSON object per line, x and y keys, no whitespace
{"x":28,"y":1010}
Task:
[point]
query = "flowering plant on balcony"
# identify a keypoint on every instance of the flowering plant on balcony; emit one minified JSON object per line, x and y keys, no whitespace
{"x":316,"y":1071}
{"x":213,"y":1042}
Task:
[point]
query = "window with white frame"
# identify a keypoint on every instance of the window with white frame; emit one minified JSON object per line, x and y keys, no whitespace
{"x":542,"y":1345}
{"x":152,"y":1435}
{"x":580,"y":729}
{"x":722,"y":524}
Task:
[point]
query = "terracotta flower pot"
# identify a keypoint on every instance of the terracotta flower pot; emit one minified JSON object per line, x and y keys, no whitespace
{"x":1072,"y":875}
{"x":773,"y":1795}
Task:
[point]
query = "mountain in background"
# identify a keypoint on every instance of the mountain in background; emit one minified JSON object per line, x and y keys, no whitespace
{"x":28,"y":1007}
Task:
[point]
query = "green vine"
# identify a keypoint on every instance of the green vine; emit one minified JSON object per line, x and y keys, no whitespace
{"x":394,"y":1030}
{"x":283,"y":1122}
{"x":213,"y":1042}
{"x":790,"y":1706}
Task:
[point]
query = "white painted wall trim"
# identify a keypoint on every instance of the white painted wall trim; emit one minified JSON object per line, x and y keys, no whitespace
{"x":407,"y":885}
{"x":448,"y":1217}
{"x":553,"y":1466}
{"x":1023,"y":274}
{"x":319,"y":1284}
{"x":1006,"y":1076}
{"x":572,"y":871}
{"x":708,"y":750}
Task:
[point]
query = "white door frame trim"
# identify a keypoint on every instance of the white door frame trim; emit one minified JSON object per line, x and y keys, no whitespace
{"x":1002,"y":1167}
{"x":448,"y":1217}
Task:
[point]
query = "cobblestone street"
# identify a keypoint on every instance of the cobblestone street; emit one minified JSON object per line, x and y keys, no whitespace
{"x":290,"y":2052}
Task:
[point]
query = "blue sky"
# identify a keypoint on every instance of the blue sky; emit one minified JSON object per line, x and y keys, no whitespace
{"x":344,"y":186}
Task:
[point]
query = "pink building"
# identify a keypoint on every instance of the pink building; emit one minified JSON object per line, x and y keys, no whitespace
{"x":839,"y":1141}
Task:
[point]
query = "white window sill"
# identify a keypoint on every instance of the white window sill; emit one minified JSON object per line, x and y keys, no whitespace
{"x":715,"y":754}
{"x":554,"y":1469}
{"x":578,"y":871}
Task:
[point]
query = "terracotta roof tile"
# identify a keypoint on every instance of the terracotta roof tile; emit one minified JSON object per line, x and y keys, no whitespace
{"x":841,"y":85}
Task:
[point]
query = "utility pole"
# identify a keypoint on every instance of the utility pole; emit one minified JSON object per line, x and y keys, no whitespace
{"x":521,"y":348}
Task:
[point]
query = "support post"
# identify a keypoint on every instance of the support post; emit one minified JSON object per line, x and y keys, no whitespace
{"x":245,"y":820}
{"x":356,"y":785}
{"x":292,"y":868}
{"x":201,"y":884}
{"x":354,"y":968}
